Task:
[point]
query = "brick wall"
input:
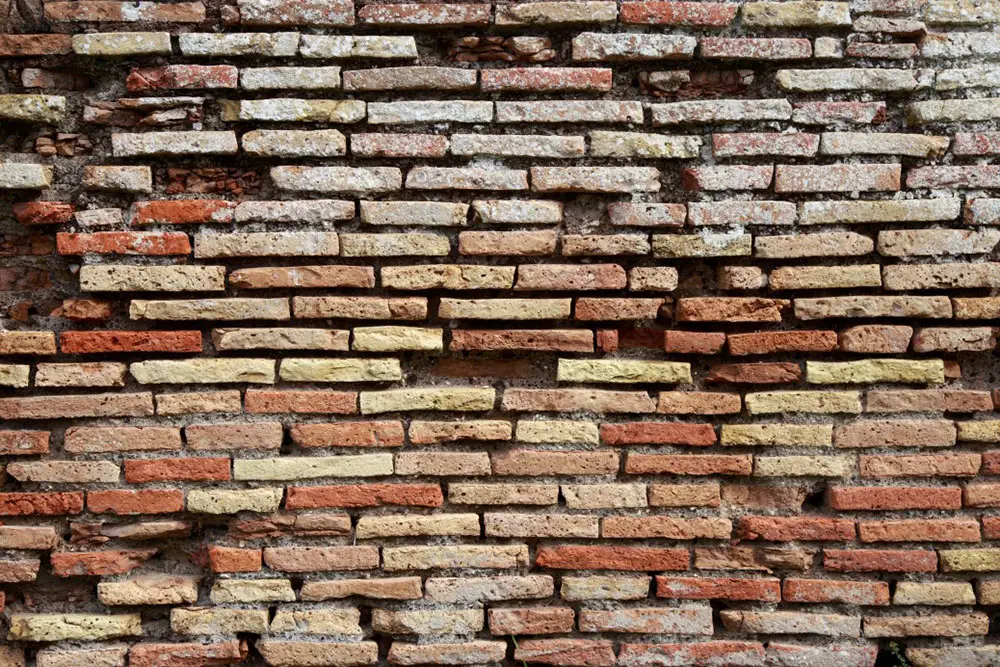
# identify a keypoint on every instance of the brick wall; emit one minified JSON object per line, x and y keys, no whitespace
{"x":537,"y":333}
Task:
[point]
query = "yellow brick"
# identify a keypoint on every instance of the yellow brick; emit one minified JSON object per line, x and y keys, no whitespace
{"x":771,"y":402}
{"x":871,"y":371}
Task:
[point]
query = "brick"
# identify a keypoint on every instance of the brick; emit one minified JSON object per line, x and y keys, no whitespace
{"x":939,"y":625}
{"x":695,"y":588}
{"x":398,"y":145}
{"x":787,"y":622}
{"x":659,"y":433}
{"x":895,"y":498}
{"x":655,"y":620}
{"x":782,"y":341}
{"x":591,"y":46}
{"x":548,"y":463}
{"x":556,"y":13}
{"x":173,"y":143}
{"x":693,"y":342}
{"x":795,"y":528}
{"x":919,"y":530}
{"x":595,"y":179}
{"x":594,"y":653}
{"x":878,"y":433}
{"x":692,"y":652}
{"x":729,"y":309}
{"x":181,"y":77}
{"x":576,"y":400}
{"x":873,"y":560}
{"x":77,"y":406}
{"x":612,"y":558}
{"x":943,"y":465}
{"x":720,"y":111}
{"x":550,"y":79}
{"x":665,"y":527}
{"x":847,"y":79}
{"x":444,"y":15}
{"x":401,"y":588}
{"x":69,"y":627}
{"x":459,"y":556}
{"x":467,"y":590}
{"x":688,"y":464}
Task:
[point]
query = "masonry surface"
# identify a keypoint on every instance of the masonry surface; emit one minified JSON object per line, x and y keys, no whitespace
{"x":536,"y":333}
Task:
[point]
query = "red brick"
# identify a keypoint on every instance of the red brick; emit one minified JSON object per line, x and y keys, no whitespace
{"x":139,"y":404}
{"x":564,"y":340}
{"x":98,"y":563}
{"x":269,"y":401}
{"x":364,"y":495}
{"x":718,"y":588}
{"x":876,"y":339}
{"x":738,"y":144}
{"x":920,"y":530}
{"x":104,"y":342}
{"x":769,"y":342}
{"x":349,"y":434}
{"x":23,"y":443}
{"x":40,"y":504}
{"x":142,"y":471}
{"x":607,"y":340}
{"x":229,"y":559}
{"x":699,"y":403}
{"x":42,"y":212}
{"x":895,"y":498}
{"x":566,"y":652}
{"x":750,"y":48}
{"x":639,"y":559}
{"x":35,"y":45}
{"x":696,"y":14}
{"x":657,"y":433}
{"x":760,"y":373}
{"x":546,"y":79}
{"x":123,"y":243}
{"x":688,"y":464}
{"x":531,"y":621}
{"x":212,"y":437}
{"x":991,"y":527}
{"x":383,"y":144}
{"x":830,"y":591}
{"x":84,"y":310}
{"x":761,"y":496}
{"x":182,"y":212}
{"x":730,"y":309}
{"x":181,"y":77}
{"x":303,"y":277}
{"x":152,"y":501}
{"x":321,"y":559}
{"x":877,"y":560}
{"x":694,"y":342}
{"x":618,"y":310}
{"x":790,"y":529}
{"x":991,"y":463}
{"x":708,"y":654}
{"x":188,"y":655}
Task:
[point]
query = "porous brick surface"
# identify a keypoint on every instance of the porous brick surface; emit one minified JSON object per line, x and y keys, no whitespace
{"x":576,"y":333}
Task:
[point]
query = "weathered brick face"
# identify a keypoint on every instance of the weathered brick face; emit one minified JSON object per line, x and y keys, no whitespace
{"x":576,"y":333}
